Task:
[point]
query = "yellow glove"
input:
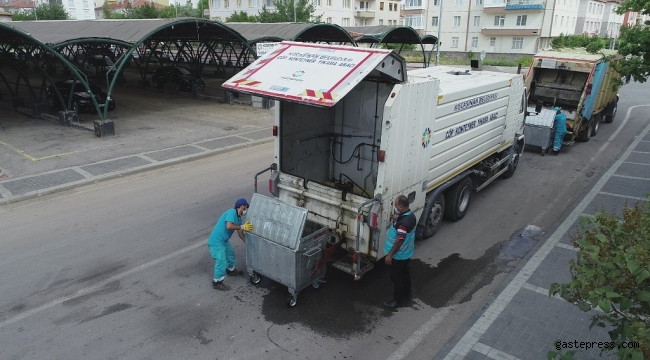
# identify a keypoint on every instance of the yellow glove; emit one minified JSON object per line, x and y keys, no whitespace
{"x":247,"y":226}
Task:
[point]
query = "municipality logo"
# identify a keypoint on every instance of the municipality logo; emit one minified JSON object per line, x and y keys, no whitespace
{"x":298,"y":74}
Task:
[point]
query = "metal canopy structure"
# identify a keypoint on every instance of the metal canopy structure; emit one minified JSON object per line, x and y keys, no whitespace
{"x":194,"y":42}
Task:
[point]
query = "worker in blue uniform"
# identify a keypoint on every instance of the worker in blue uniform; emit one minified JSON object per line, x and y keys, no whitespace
{"x":219,"y":243}
{"x":560,"y":130}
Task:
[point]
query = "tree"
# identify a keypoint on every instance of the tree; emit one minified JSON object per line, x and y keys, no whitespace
{"x":107,"y":11}
{"x":612,"y":272}
{"x":43,"y":12}
{"x":241,"y":16}
{"x":145,"y":11}
{"x":284,"y":12}
{"x":635,"y":42}
{"x":592,"y":44}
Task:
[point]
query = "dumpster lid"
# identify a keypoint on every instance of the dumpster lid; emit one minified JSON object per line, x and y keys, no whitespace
{"x":316,"y":74}
{"x":276,"y":221}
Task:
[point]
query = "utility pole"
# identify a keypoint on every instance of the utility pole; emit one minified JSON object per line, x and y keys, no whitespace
{"x":294,"y":11}
{"x":439,"y":28}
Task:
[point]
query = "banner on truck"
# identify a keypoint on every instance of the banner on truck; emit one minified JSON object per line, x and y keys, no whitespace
{"x":310,"y":73}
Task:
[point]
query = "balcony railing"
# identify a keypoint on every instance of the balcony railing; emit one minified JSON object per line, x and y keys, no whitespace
{"x":367,"y":14}
{"x":504,"y":3}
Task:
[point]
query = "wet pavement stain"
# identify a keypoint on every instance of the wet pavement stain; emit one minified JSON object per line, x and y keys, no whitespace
{"x":343,"y":308}
{"x":107,"y":289}
{"x":109,"y":310}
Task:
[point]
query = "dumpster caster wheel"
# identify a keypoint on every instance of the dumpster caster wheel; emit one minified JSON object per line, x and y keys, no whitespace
{"x":316,"y":284}
{"x":293,"y":300}
{"x":256,"y":278}
{"x":543,"y":152}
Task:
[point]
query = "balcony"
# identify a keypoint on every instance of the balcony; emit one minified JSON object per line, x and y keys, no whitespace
{"x":364,"y":14}
{"x":499,"y":6}
{"x":510,"y":31}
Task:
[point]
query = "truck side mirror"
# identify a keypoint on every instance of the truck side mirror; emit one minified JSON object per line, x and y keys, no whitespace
{"x":538,"y":106}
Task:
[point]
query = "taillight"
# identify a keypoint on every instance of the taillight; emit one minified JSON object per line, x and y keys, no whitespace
{"x":374,"y":220}
{"x":589,"y":89}
{"x":275,"y":130}
{"x":381,"y":155}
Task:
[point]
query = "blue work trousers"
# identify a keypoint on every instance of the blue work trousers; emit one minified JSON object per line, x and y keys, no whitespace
{"x":559,"y":137}
{"x":224,"y":258}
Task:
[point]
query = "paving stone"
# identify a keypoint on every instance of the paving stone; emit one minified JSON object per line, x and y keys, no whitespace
{"x":257,"y":135}
{"x":474,"y":355}
{"x":611,"y":204}
{"x":643,"y":146}
{"x":636,"y":170}
{"x":626,"y":186}
{"x":41,"y":182}
{"x":638,"y":158}
{"x":554,"y":269}
{"x":221,"y":143}
{"x":173,"y":153}
{"x":115,"y":165}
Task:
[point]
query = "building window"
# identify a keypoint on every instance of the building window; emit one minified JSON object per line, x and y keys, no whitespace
{"x":562,"y":21}
{"x":434,"y":21}
{"x":454,"y":42}
{"x":381,"y":21}
{"x":226,"y":4}
{"x":436,"y":2}
{"x":521,"y":20}
{"x":381,"y":5}
{"x":456,"y":21}
{"x":253,"y":4}
{"x":329,"y":2}
{"x":500,"y":20}
{"x":414,"y":20}
{"x":346,"y":5}
{"x":71,"y":4}
{"x":328,"y":20}
{"x":517,"y":43}
{"x":346,"y":22}
{"x":477,"y":21}
{"x":459,"y":3}
{"x":395,"y":8}
{"x":493,"y":41}
{"x":269,"y":3}
{"x":413,"y":4}
{"x":474,"y":42}
{"x":390,"y":6}
{"x":238,"y":3}
{"x":479,"y":2}
{"x":316,"y":2}
{"x":216,"y":4}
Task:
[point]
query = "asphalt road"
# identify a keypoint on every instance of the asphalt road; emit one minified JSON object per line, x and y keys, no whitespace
{"x":120,"y":270}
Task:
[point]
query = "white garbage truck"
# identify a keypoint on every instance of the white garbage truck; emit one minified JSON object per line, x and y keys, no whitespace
{"x":353,"y":131}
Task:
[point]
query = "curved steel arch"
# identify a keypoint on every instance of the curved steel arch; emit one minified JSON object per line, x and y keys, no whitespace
{"x":404,"y":35}
{"x":26,"y":38}
{"x":368,"y":39}
{"x":82,"y":40}
{"x":325,"y":32}
{"x":430,"y":40}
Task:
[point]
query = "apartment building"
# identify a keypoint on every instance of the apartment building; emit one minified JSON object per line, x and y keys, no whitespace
{"x":590,"y":17}
{"x":340,"y":12}
{"x":612,"y":22}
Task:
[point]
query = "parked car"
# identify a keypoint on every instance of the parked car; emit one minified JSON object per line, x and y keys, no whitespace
{"x":181,"y":78}
{"x":81,"y":100}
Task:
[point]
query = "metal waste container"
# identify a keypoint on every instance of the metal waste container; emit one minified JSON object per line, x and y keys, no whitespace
{"x":540,"y":129}
{"x":284,"y":245}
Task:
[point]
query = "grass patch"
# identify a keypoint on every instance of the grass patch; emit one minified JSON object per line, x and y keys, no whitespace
{"x":525,"y":61}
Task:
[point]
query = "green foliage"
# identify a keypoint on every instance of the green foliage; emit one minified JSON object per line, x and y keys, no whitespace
{"x":404,"y":47}
{"x":612,"y":272}
{"x":635,"y":42}
{"x":241,"y":16}
{"x":592,"y":44}
{"x":284,"y":12}
{"x":470,"y":54}
{"x":42,"y":12}
{"x":145,"y":11}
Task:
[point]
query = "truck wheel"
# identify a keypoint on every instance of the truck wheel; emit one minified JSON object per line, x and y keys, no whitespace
{"x":609,"y":118}
{"x":585,"y":133}
{"x":596,"y":124}
{"x":457,"y":199}
{"x":435,"y":217}
{"x":515,"y":161}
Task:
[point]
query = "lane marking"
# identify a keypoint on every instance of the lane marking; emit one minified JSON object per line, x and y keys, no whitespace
{"x":472,"y":336}
{"x":99,"y":285}
{"x":624,"y":196}
{"x":631,"y":177}
{"x":567,"y":246}
{"x":493,"y":353}
{"x":636,"y":163}
{"x":35,"y":159}
{"x":618,"y":130}
{"x":641,"y":152}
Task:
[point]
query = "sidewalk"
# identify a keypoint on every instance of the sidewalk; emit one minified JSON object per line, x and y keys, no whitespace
{"x":21,"y":188}
{"x":521,"y":321}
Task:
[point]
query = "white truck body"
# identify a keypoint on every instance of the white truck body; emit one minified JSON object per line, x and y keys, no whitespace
{"x":365,"y":136}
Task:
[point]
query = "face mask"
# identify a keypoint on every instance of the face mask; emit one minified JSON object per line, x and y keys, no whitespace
{"x":244,"y":212}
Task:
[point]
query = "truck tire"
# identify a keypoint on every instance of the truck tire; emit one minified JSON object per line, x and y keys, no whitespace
{"x":609,"y":117}
{"x":436,"y":213}
{"x":515,"y":161}
{"x":457,"y":199}
{"x":596,"y":124}
{"x":585,"y":133}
